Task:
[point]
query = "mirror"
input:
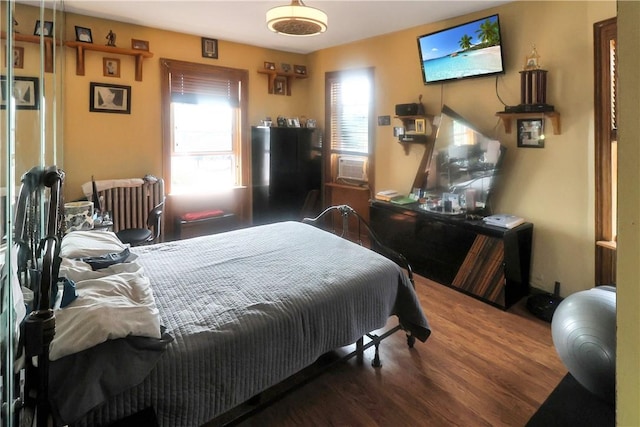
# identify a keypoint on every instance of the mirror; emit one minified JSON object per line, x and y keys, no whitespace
{"x":31,"y":64}
{"x":462,"y":168}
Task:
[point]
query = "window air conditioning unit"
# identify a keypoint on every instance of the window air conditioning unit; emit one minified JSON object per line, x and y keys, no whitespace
{"x":352,"y":168}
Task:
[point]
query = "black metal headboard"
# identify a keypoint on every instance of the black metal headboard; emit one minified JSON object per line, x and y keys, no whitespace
{"x":40,"y":198}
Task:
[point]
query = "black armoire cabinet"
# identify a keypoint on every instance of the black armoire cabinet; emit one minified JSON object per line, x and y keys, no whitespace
{"x":286,"y":166}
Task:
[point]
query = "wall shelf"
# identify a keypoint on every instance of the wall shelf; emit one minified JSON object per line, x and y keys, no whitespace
{"x":80,"y":47}
{"x":289,"y":77}
{"x":507,"y":119}
{"x":414,"y":136}
{"x":48,"y":46}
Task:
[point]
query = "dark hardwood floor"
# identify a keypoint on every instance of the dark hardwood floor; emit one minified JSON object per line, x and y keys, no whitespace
{"x":481,"y":367}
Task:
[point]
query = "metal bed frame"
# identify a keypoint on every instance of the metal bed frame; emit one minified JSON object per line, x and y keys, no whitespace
{"x":327,"y":219}
{"x":38,"y":265}
{"x":39,"y":262}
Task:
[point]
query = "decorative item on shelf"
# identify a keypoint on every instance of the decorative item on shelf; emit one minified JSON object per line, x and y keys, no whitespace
{"x":532,"y":62}
{"x":281,"y":121}
{"x":293,"y":122}
{"x":421,"y":110}
{"x":111,"y":39}
{"x":269,"y":65}
{"x":139,"y":44}
{"x":83,"y":34}
{"x":45,"y":30}
{"x":296,"y":19}
{"x":209,"y":48}
{"x":111,"y":67}
{"x":108,"y":98}
{"x":78,"y":216}
{"x":311,"y":123}
{"x":266,"y":122}
{"x":421,"y":126}
{"x":300,"y":69}
{"x":286,"y":67}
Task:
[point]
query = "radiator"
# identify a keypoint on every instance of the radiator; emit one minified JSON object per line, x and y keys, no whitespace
{"x":130,"y":206}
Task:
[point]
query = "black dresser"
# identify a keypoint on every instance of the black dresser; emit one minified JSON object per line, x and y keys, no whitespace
{"x":487,"y":262}
{"x":285,"y":166}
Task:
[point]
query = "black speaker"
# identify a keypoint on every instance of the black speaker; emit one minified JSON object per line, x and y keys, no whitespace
{"x":406,"y":109}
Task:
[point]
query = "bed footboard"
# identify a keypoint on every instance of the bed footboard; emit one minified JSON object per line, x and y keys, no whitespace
{"x":344,"y":213}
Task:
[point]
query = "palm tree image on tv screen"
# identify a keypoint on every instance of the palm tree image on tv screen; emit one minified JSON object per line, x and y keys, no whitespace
{"x":468,"y":50}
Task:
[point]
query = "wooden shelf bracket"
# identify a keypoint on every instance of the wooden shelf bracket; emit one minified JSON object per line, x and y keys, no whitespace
{"x":81,"y":47}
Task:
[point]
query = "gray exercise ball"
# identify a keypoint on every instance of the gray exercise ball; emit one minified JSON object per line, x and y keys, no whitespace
{"x":584,"y":334}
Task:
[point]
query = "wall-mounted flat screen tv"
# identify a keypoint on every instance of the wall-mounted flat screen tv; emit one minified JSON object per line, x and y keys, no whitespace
{"x":469,"y":50}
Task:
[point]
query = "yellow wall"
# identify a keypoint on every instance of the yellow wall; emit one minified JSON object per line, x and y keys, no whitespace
{"x":552,"y":187}
{"x":628,"y":354}
{"x":27,"y":122}
{"x":110,"y":145}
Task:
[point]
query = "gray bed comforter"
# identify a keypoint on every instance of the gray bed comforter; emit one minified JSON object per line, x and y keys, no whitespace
{"x":248,"y":308}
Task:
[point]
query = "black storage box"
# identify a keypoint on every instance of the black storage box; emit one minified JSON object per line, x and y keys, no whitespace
{"x":406,"y":109}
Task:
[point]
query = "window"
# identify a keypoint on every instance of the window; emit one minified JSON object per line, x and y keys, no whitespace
{"x":606,"y":155}
{"x":204,"y":110}
{"x":349,"y":100}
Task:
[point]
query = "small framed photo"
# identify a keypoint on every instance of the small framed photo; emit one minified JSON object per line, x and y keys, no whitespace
{"x":83,"y":35}
{"x":108,"y":98}
{"x":421,"y":126}
{"x":295,"y":122}
{"x":46,"y":30}
{"x":311,"y":123}
{"x":300,"y":69}
{"x":280,"y":85}
{"x":18,"y":57}
{"x":209,"y":48}
{"x":530,"y":133}
{"x":139,"y":44}
{"x":25,"y":93}
{"x":286,"y":67}
{"x":269,"y":65}
{"x":111,"y":67}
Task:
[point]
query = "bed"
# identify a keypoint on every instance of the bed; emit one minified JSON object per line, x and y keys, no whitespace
{"x":230,"y":315}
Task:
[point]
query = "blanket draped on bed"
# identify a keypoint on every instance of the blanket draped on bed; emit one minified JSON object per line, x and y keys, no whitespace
{"x":251,"y":307}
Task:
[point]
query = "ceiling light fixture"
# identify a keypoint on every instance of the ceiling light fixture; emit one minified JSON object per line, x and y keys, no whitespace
{"x":297,"y":20}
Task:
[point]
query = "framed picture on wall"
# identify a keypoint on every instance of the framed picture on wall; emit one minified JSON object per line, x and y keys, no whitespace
{"x":46,"y":29}
{"x":18,"y":57}
{"x":111,"y":67}
{"x":108,"y":98}
{"x":25,"y":93}
{"x":280,"y":85}
{"x":530,"y":133}
{"x":139,"y":44}
{"x":209,"y":48}
{"x":83,"y":34}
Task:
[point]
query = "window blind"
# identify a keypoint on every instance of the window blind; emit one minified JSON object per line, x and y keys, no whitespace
{"x":190,"y":86}
{"x":349,"y":98}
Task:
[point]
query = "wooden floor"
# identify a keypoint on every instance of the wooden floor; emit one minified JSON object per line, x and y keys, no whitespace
{"x":481,"y":367}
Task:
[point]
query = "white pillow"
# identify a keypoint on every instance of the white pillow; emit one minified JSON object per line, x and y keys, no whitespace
{"x":78,"y":244}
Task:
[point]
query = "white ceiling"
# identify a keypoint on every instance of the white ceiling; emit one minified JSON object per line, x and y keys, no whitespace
{"x":243,"y":21}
